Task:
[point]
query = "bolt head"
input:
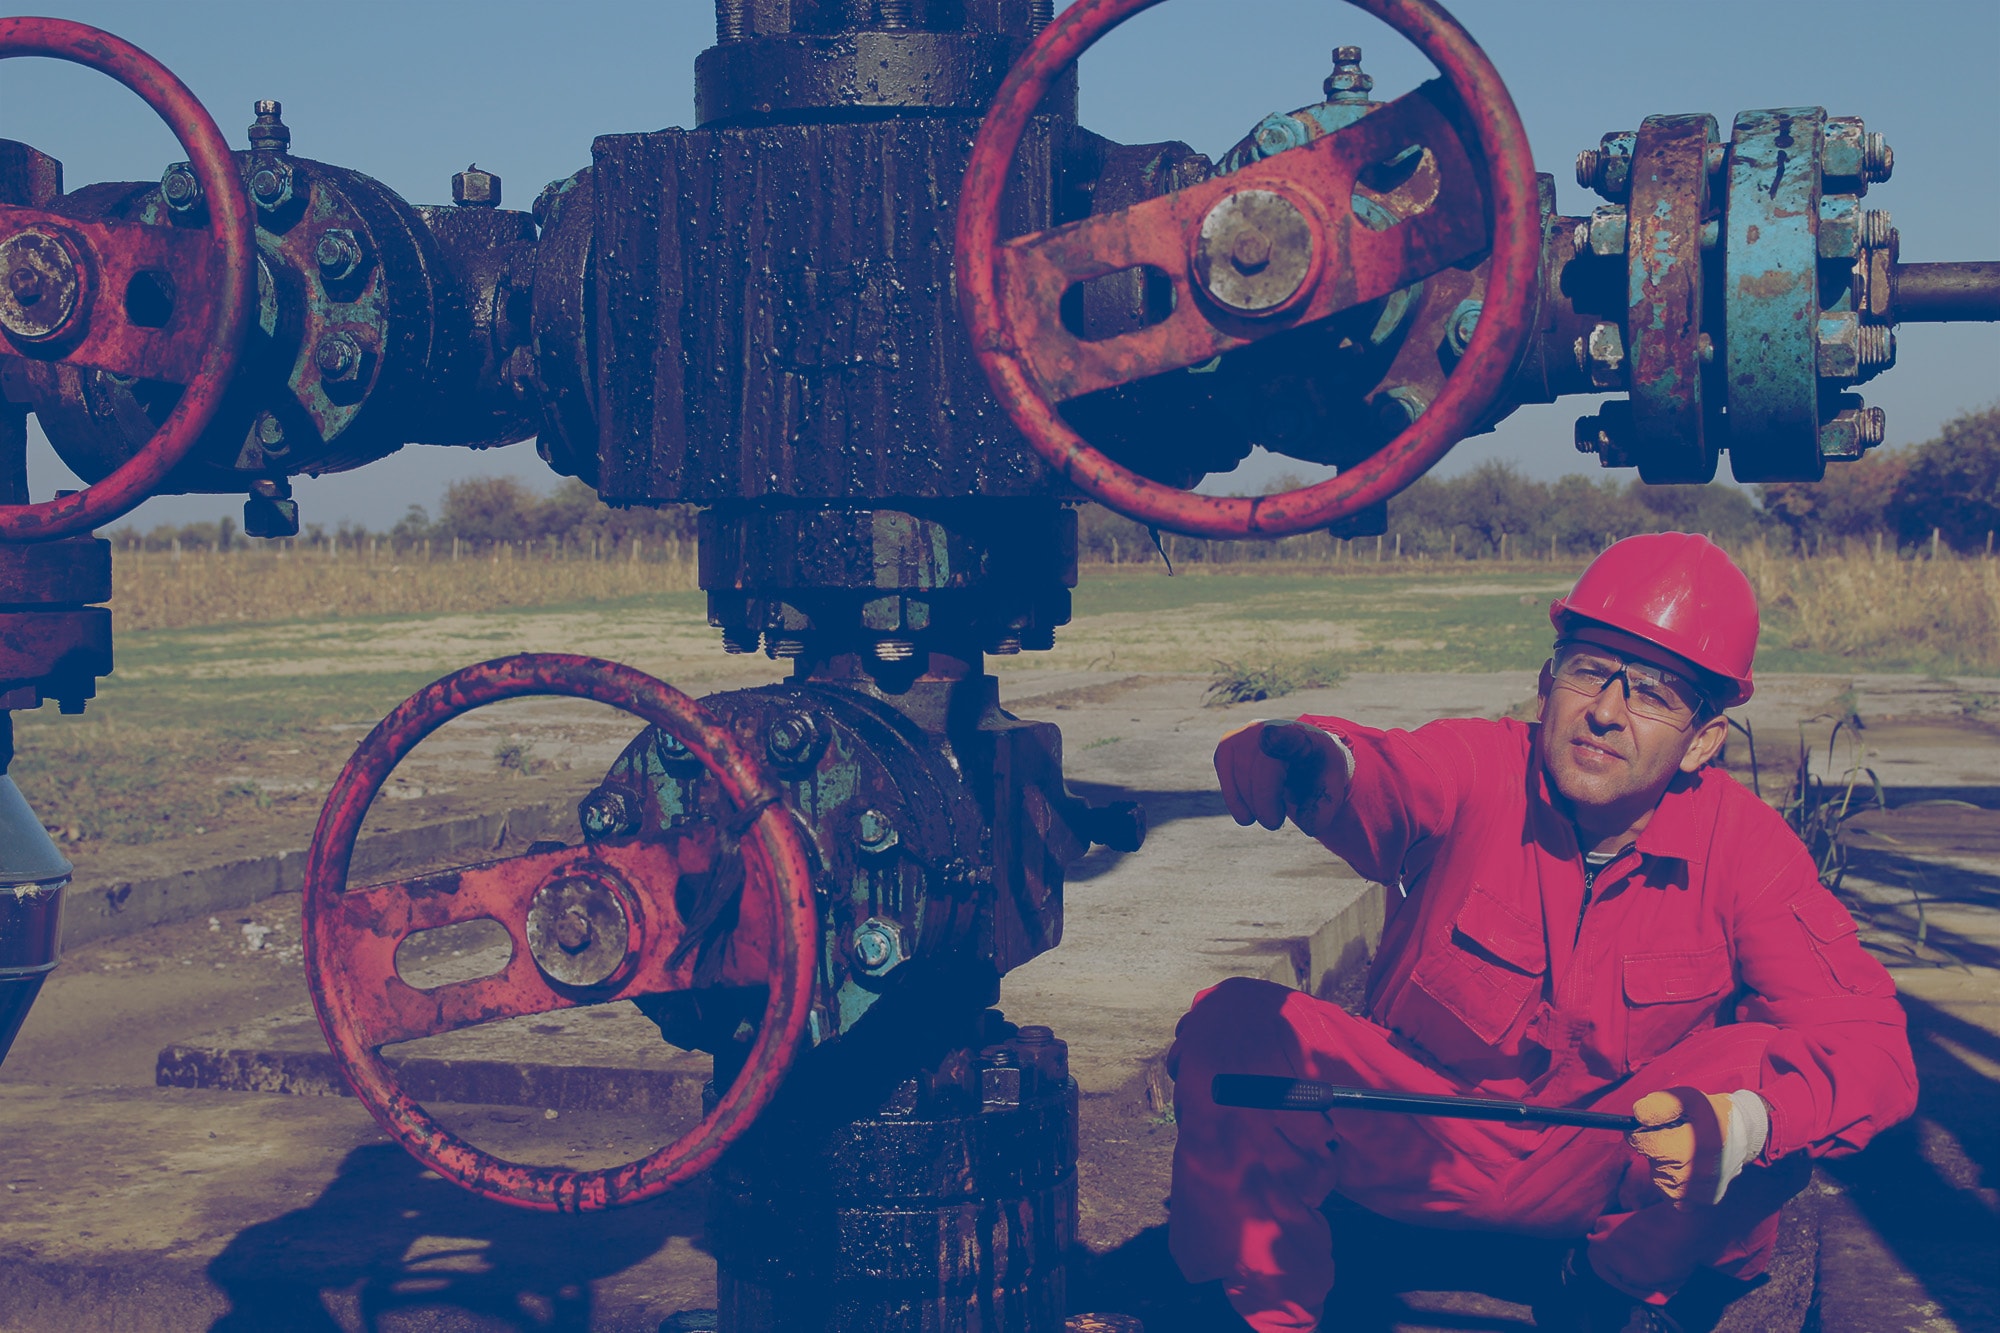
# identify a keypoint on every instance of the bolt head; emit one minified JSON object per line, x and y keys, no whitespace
{"x":1251,"y":253}
{"x":573,"y":932}
{"x":1604,"y":350}
{"x":271,"y":185}
{"x":270,"y":431}
{"x":872,"y":948}
{"x":1464,"y":323}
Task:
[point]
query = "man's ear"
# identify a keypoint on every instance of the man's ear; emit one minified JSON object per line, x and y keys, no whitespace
{"x":1705,"y":744}
{"x":1542,"y":684}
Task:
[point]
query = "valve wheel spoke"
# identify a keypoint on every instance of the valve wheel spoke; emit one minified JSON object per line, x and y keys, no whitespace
{"x":632,"y":883}
{"x":1350,"y":262}
{"x":95,"y":329}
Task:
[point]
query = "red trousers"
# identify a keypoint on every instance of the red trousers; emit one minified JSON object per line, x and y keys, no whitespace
{"x":1248,"y":1184}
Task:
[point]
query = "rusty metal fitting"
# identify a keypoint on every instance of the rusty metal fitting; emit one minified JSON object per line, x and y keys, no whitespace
{"x":894,"y":650}
{"x":1041,"y":13}
{"x":1607,"y":168}
{"x":1877,"y":227}
{"x":1000,"y":1081}
{"x":269,"y":133}
{"x":739,"y":639}
{"x":784,"y":645}
{"x":338,"y":254}
{"x":1604,"y":436}
{"x":270,"y":434}
{"x":339,"y":358}
{"x":1716,"y":159}
{"x":1853,"y":430}
{"x":1348,"y":85}
{"x":1588,"y":163}
{"x":181,"y":188}
{"x":1038,"y":638}
{"x":1878,"y":160}
{"x":1255,"y":252}
{"x":893,"y":14}
{"x":1007,"y":645}
{"x":473,"y":188}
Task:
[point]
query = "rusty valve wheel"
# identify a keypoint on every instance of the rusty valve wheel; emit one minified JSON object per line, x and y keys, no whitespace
{"x":588,"y":925}
{"x":1252,"y":254}
{"x":63,"y":283}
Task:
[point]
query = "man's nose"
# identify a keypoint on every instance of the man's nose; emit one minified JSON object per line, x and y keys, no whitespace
{"x":1609,"y":709}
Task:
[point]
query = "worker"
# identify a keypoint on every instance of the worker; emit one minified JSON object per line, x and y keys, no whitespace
{"x":1581,"y":912}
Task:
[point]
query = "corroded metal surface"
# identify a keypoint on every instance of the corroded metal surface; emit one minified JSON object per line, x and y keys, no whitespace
{"x":351,"y":935}
{"x":1669,"y":202}
{"x":215,"y":283}
{"x":989,"y":301}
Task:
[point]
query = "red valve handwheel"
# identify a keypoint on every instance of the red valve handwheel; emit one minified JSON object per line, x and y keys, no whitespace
{"x":351,"y":935}
{"x":214,"y":278}
{"x":1010,"y":291}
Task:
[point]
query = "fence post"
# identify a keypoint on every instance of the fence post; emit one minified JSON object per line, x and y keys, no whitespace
{"x":1934,"y":543}
{"x":1399,"y":547}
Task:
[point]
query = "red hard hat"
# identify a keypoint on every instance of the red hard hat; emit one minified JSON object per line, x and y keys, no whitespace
{"x":1680,"y":591}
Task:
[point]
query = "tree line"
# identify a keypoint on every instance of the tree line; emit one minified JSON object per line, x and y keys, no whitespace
{"x":1948,"y":486}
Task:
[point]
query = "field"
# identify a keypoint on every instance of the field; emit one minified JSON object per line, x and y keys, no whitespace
{"x":244,"y":680}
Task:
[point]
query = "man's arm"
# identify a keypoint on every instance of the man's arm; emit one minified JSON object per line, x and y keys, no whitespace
{"x":1369,"y":795}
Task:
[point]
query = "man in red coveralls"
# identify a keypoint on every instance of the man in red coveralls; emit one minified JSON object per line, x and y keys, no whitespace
{"x":1581,"y":913}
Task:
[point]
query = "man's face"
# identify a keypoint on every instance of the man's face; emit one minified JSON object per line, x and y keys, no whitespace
{"x":1614,"y":750}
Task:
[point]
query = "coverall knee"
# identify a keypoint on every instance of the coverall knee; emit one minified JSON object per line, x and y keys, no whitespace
{"x":1248,"y":1184}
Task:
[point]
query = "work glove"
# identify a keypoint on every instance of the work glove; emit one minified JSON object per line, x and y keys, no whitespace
{"x":1271,"y":770}
{"x":1698,"y":1142}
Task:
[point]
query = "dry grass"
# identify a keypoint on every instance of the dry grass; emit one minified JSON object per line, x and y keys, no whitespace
{"x":165,"y":590}
{"x":1881,"y":607}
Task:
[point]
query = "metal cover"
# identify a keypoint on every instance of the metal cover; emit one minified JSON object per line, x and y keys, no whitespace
{"x":27,"y":854}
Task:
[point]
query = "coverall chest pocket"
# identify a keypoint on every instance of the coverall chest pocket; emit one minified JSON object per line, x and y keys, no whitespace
{"x":1481,"y":979}
{"x":1668,"y":996}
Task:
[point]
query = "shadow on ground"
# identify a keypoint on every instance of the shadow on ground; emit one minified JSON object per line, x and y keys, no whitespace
{"x":389,"y":1239}
{"x":1920,"y":1185}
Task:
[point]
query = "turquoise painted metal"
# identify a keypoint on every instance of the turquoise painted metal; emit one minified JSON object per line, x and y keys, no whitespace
{"x":1668,"y":350}
{"x":1771,"y":294}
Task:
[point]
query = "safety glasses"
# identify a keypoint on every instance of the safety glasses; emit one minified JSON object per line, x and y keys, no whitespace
{"x":1650,"y":691}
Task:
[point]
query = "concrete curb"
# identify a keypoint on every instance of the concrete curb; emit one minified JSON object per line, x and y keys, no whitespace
{"x":112,"y":902}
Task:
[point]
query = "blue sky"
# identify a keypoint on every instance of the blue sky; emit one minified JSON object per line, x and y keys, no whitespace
{"x":412,"y":90}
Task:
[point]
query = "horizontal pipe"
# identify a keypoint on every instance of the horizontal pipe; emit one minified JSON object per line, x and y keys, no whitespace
{"x":1942,"y":293}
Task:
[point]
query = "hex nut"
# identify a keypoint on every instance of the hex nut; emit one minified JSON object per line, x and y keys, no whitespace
{"x":878,"y":946}
{"x":875,"y":831}
{"x":1604,"y":355}
{"x":339,"y":358}
{"x":181,"y":188}
{"x":338,"y":254}
{"x":271,"y":185}
{"x":607,"y":812}
{"x":1608,"y":226}
{"x":1839,"y":354}
{"x":473,"y":188}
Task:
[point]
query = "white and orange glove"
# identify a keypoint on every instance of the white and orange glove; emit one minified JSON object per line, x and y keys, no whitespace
{"x":1270,"y":771}
{"x":1698,"y":1142}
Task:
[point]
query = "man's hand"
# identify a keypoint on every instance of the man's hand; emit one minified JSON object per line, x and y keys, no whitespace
{"x":1269,"y":770}
{"x":1697,"y":1142}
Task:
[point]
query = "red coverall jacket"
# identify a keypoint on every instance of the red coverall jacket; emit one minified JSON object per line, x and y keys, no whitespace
{"x":1708,"y":955}
{"x":1494,"y":967}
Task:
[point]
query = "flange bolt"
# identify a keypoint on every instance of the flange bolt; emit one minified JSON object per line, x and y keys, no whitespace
{"x":338,"y":254}
{"x":181,"y":188}
{"x":339,"y":359}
